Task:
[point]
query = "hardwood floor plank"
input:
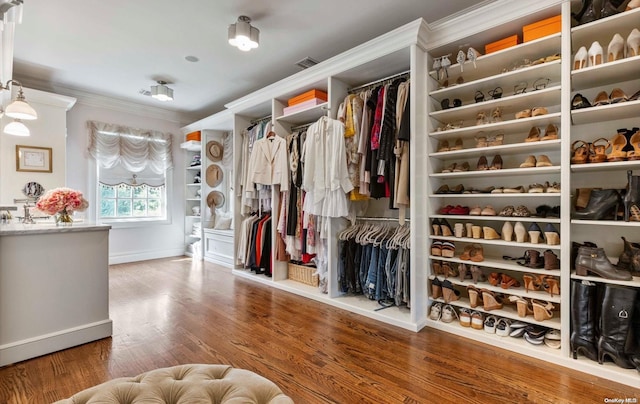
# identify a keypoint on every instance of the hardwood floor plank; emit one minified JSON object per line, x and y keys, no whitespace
{"x":172,"y":311}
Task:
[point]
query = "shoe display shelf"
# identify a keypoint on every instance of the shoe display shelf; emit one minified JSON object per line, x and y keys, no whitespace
{"x":192,"y":199}
{"x":589,"y":124}
{"x":509,"y":70}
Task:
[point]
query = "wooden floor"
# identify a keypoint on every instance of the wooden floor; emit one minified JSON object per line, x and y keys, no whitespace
{"x":172,"y":311}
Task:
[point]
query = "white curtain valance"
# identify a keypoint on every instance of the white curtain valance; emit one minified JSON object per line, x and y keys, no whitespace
{"x":134,"y":149}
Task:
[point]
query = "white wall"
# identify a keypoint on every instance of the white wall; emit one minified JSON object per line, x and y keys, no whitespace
{"x":129,"y":243}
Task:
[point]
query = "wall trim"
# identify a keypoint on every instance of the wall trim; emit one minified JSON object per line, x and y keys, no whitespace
{"x":145,"y":255}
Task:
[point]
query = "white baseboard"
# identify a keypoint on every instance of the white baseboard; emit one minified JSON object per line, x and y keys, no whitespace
{"x":144,"y":256}
{"x":44,"y":344}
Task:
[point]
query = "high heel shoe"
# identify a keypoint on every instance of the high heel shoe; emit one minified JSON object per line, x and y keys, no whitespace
{"x":635,"y":143}
{"x":448,"y":292}
{"x":436,"y":268}
{"x":507,"y":231}
{"x":633,"y":43}
{"x":534,"y":233}
{"x":476,"y":274}
{"x":580,"y":152}
{"x":580,"y":59}
{"x":520,"y":232}
{"x":598,"y":151}
{"x":551,"y":133}
{"x":482,"y":164}
{"x":602,"y":98}
{"x":595,"y":54}
{"x":542,"y":310}
{"x":481,"y":118}
{"x":435,"y":225}
{"x":445,"y":228}
{"x":531,"y":282}
{"x":523,"y":305}
{"x":490,"y":233}
{"x":551,"y":235}
{"x":615,"y":50}
{"x":617,"y":95}
{"x":458,"y":230}
{"x":496,"y":163}
{"x":475,"y":296}
{"x":436,"y":288}
{"x":496,"y":115}
{"x":463,"y":270}
{"x":534,"y":135}
{"x":507,"y":282}
{"x":618,"y":143}
{"x":550,"y":284}
{"x":448,"y":250}
{"x":601,"y":203}
{"x":490,"y":300}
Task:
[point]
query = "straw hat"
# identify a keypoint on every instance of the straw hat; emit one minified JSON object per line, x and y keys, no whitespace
{"x":214,"y":175}
{"x":214,"y":150}
{"x":215,"y":198}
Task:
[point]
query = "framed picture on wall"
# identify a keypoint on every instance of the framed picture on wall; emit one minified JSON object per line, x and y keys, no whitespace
{"x":34,"y":159}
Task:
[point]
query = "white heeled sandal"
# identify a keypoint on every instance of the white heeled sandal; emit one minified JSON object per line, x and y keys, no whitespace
{"x":580,"y":59}
{"x":595,"y":54}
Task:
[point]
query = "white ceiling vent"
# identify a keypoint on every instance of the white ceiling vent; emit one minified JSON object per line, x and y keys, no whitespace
{"x":306,"y":62}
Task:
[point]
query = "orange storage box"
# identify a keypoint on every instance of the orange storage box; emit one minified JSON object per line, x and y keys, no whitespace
{"x":542,"y":28}
{"x":195,"y":136}
{"x":309,"y":95}
{"x":501,"y":44}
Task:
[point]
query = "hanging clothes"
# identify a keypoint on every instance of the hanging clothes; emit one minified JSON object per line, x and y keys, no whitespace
{"x":268,"y":164}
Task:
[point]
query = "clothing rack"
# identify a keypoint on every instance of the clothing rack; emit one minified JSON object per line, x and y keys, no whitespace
{"x":259,"y":120}
{"x":301,"y":127}
{"x":379,"y":219}
{"x":373,"y":83}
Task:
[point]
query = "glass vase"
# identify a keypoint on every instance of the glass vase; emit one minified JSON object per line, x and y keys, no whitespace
{"x":63,"y":218}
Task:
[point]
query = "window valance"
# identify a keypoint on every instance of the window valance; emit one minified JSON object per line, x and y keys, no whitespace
{"x":134,"y":149}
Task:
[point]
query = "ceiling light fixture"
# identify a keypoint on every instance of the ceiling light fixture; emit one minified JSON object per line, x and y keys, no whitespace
{"x":161,"y":92}
{"x":17,"y":128}
{"x":19,"y":109}
{"x":242,"y":35}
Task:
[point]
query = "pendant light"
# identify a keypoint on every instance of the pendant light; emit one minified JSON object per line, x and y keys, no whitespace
{"x":19,"y":108}
{"x":161,"y":92}
{"x":242,"y":35}
{"x":17,"y":128}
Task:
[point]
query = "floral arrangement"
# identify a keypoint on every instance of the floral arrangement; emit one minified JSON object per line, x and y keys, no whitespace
{"x":62,"y":201}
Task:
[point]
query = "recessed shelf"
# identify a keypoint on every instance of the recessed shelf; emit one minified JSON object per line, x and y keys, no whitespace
{"x":308,"y":115}
{"x":191,"y":145}
{"x":499,"y":264}
{"x":620,"y":223}
{"x":496,"y":242}
{"x":509,"y":311}
{"x":514,"y":148}
{"x":512,"y":125}
{"x":605,"y":113}
{"x":506,"y":172}
{"x":500,"y":218}
{"x":606,"y":74}
{"x":509,"y":104}
{"x":517,"y":291}
{"x":609,"y":166}
{"x":635,"y":282}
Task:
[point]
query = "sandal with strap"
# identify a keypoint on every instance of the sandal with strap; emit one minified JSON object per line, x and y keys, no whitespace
{"x":523,"y":305}
{"x":618,"y":143}
{"x":534,"y":135}
{"x":598,"y":152}
{"x":580,"y":152}
{"x":507,"y":282}
{"x":542,"y":310}
{"x":490,"y":300}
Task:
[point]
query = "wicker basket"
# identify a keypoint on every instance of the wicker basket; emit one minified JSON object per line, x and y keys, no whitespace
{"x":303,"y":274}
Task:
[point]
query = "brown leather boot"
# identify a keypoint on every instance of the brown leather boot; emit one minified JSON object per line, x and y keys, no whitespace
{"x":551,"y":260}
{"x":533,"y":259}
{"x":595,"y":261}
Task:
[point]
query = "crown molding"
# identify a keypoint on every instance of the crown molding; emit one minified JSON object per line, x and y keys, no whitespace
{"x":483,"y":17}
{"x":55,"y":100}
{"x":395,"y":40}
{"x":222,"y":120}
{"x":100,"y":101}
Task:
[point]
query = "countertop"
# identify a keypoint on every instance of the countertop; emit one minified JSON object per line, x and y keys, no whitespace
{"x":17,"y":229}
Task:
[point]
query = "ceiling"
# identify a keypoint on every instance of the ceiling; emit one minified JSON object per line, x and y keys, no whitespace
{"x":117,"y":48}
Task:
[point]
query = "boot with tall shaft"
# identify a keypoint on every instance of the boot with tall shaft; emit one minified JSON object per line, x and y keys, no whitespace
{"x":615,"y":325}
{"x":584,"y":320}
{"x":632,"y":195}
{"x":603,"y":204}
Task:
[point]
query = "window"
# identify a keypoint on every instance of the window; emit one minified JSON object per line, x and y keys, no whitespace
{"x":133,"y":167}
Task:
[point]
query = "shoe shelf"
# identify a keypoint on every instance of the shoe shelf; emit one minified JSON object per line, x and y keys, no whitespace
{"x":635,"y":282}
{"x":514,"y":126}
{"x":507,"y":311}
{"x":495,"y":242}
{"x":493,"y":63}
{"x":505,"y":172}
{"x":602,"y":113}
{"x":310,"y":114}
{"x":519,"y":345}
{"x":602,"y":30}
{"x":507,"y":81}
{"x":620,"y":223}
{"x":519,"y":291}
{"x":194,"y":167}
{"x":500,"y":218}
{"x":500,"y":264}
{"x":503,"y":195}
{"x":504,"y":149}
{"x":609,"y":166}
{"x":198,"y":185}
{"x":509,"y":104}
{"x":192,"y":199}
{"x":605,"y":74}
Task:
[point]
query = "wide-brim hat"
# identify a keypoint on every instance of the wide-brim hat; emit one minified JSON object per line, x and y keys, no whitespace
{"x":214,"y":150}
{"x":215,"y":199}
{"x":214,"y":175}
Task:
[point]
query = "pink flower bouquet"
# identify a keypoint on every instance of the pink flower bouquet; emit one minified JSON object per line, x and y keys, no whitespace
{"x":59,"y":200}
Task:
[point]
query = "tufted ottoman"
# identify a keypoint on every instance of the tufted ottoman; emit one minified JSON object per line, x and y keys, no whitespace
{"x":185,"y":384}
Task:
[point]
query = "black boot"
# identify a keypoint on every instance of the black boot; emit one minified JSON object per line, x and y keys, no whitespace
{"x":616,"y":322}
{"x":608,"y":9}
{"x":632,"y":195}
{"x":595,"y":261}
{"x":603,"y":204}
{"x":584,"y":320}
{"x":588,"y":13}
{"x":633,"y":345}
{"x":575,"y":246}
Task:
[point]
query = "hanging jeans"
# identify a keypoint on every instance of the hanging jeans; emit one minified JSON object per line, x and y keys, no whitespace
{"x":381,"y":276}
{"x":364,"y":266}
{"x":372,"y":274}
{"x":391,"y":268}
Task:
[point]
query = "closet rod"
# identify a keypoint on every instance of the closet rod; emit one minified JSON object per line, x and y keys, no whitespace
{"x":393,"y":76}
{"x":300,"y":127}
{"x":380,"y":219}
{"x":258,"y":120}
